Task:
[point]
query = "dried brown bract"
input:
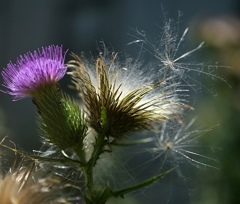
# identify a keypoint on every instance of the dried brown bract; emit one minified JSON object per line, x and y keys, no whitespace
{"x":23,"y":186}
{"x":114,"y":110}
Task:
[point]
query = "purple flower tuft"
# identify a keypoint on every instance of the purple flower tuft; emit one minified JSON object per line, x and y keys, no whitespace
{"x":34,"y":70}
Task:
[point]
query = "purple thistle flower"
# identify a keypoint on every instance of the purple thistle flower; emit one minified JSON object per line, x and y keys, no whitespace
{"x":34,"y":70}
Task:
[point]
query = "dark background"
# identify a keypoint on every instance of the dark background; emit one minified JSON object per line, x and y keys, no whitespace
{"x":79,"y":25}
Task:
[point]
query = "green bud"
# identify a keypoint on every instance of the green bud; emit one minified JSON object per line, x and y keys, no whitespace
{"x":61,"y":120}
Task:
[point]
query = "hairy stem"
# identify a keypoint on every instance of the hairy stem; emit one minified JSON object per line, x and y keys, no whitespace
{"x":90,"y":195}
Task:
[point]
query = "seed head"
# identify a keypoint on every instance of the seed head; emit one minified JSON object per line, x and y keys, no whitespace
{"x":22,"y":186}
{"x":180,"y":143}
{"x":171,"y":53}
{"x":116,"y":107}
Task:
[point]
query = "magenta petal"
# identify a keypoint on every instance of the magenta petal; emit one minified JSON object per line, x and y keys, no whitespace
{"x":33,"y":70}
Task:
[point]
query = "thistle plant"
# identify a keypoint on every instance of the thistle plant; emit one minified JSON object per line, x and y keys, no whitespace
{"x":119,"y":100}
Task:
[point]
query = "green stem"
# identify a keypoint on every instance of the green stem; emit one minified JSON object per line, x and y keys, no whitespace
{"x":108,"y":193}
{"x":92,"y":162}
{"x":98,"y":150}
{"x":81,"y":154}
{"x":121,"y":193}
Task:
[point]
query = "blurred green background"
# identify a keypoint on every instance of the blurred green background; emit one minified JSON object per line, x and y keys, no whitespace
{"x":79,"y":26}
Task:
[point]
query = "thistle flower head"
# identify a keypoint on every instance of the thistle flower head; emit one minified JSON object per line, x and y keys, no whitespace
{"x":33,"y":71}
{"x":115,"y":106}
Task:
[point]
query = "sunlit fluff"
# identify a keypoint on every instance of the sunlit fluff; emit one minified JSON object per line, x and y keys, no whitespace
{"x":131,"y":100}
{"x":170,"y":52}
{"x":180,"y":143}
{"x":22,"y":186}
{"x":34,"y":70}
